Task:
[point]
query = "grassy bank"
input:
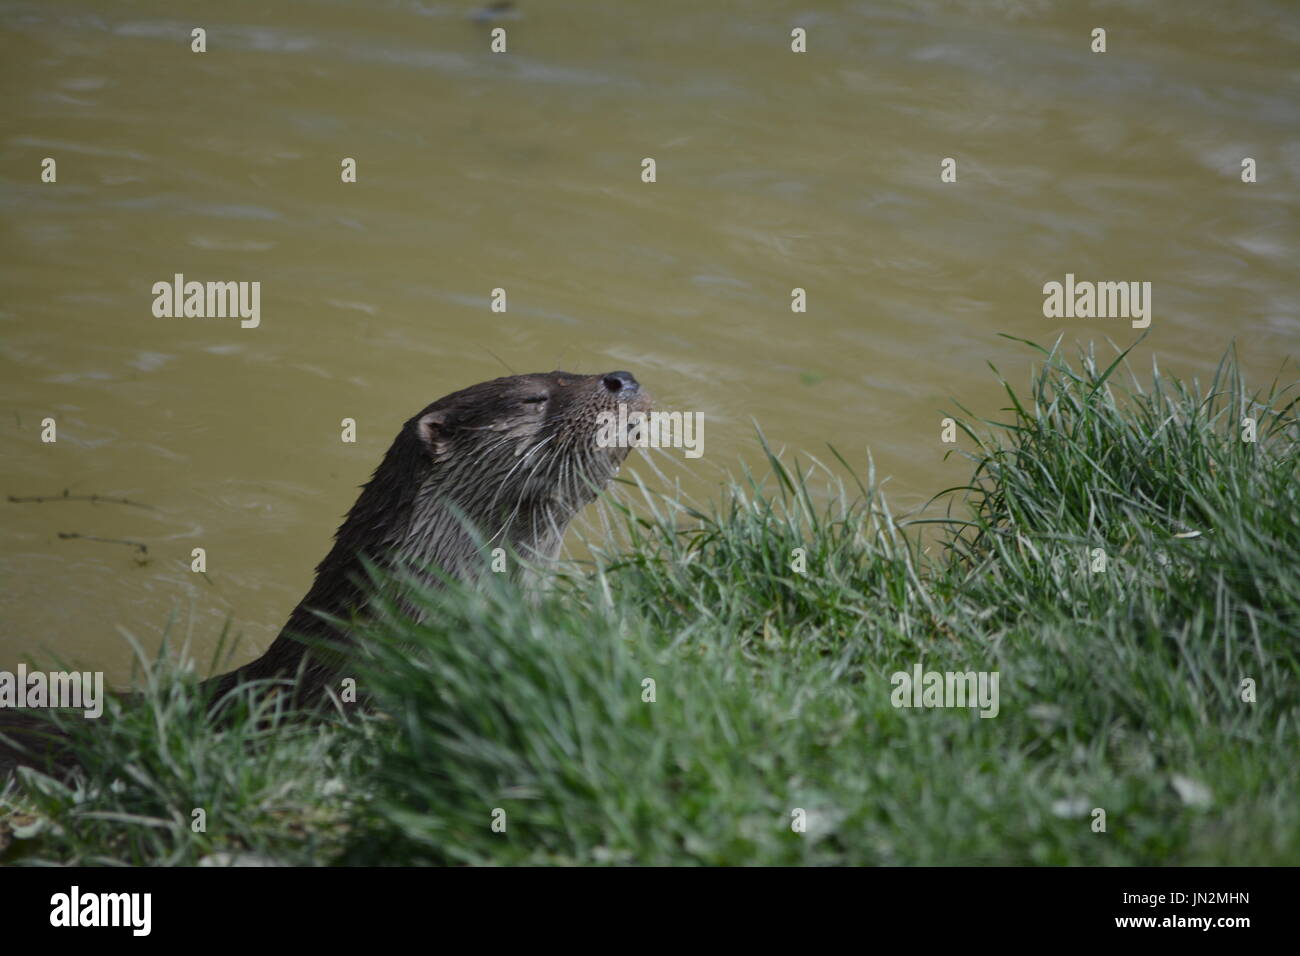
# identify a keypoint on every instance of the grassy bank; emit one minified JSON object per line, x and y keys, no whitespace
{"x":1121,"y":558}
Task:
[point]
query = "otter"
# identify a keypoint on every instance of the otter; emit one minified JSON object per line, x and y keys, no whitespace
{"x":506,"y":463}
{"x":513,"y":460}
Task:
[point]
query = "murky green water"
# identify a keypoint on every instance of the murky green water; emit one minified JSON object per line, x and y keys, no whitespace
{"x":522,"y":170}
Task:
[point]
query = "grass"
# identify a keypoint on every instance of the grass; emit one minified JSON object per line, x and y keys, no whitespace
{"x":1121,"y":690}
{"x":159,"y":786}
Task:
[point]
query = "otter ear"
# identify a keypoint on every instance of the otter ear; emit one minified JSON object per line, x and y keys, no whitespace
{"x":431,"y":429}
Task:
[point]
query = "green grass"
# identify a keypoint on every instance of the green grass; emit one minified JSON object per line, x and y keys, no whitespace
{"x":269,"y":787}
{"x":1119,"y":689}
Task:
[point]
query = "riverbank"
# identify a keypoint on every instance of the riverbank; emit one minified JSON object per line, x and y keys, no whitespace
{"x":1123,"y":560}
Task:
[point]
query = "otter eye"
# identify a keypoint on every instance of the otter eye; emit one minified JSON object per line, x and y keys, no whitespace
{"x":534,"y":400}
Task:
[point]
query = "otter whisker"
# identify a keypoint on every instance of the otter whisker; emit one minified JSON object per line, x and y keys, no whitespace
{"x":650,"y":460}
{"x":523,"y":489}
{"x":520,"y":463}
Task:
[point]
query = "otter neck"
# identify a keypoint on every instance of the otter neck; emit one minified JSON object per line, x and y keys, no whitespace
{"x":406,"y":518}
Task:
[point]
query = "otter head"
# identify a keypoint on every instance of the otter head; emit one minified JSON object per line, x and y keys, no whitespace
{"x":520,"y":456}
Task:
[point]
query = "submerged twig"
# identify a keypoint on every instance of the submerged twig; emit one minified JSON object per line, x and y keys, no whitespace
{"x":142,"y":548}
{"x":38,"y":499}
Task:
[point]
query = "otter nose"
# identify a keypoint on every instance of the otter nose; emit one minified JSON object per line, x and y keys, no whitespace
{"x":621,"y":382}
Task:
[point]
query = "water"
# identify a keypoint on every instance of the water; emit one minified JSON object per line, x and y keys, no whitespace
{"x":775,"y":170}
